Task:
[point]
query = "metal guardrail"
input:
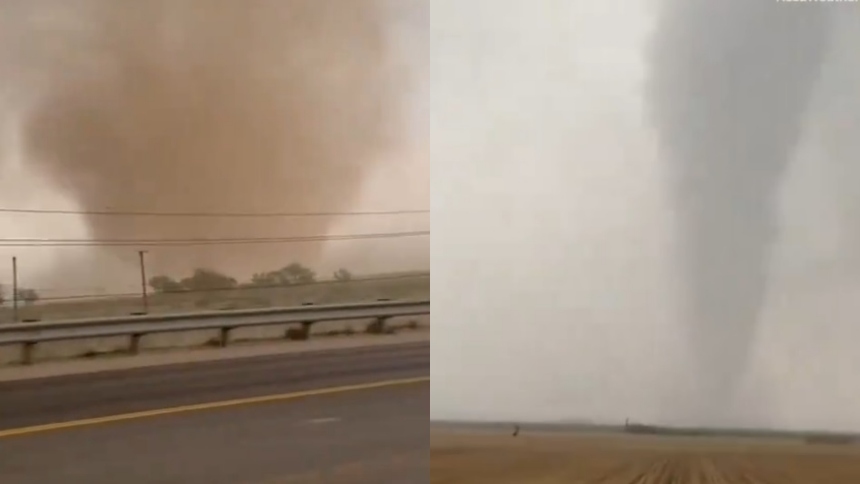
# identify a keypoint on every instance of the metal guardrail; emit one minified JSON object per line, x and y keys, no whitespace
{"x":135,"y":327}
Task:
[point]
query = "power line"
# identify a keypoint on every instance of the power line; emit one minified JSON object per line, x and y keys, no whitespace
{"x":120,"y":213}
{"x":33,"y":242}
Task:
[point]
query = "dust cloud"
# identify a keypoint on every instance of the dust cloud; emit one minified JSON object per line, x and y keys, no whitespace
{"x":212,"y":106}
{"x":638,"y":213}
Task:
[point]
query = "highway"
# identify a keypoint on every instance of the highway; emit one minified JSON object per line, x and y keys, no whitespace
{"x":365,"y":435}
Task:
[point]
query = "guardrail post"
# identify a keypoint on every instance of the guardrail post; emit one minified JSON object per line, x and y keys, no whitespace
{"x":301,"y":333}
{"x":224,"y":337}
{"x":27,"y":351}
{"x":306,"y":325}
{"x":378,"y":326}
{"x":381,"y":322}
{"x":134,"y":344}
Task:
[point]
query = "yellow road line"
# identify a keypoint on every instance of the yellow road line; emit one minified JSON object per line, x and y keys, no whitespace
{"x":35,"y":429}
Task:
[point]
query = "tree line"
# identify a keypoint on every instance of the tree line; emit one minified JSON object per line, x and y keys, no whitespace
{"x":211,"y":280}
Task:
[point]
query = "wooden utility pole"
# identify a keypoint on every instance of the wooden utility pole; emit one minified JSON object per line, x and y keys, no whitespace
{"x":14,"y":289}
{"x":143,"y":292}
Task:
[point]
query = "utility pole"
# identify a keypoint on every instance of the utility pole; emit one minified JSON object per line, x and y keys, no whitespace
{"x":14,"y":289}
{"x":143,"y":290}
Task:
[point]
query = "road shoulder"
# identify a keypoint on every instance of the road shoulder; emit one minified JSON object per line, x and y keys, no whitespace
{"x":171,"y":357}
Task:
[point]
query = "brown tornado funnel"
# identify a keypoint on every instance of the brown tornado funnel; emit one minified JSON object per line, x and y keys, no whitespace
{"x":207,"y":105}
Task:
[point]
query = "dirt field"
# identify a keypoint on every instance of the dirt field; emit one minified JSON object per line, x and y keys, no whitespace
{"x":622,"y":459}
{"x":407,"y":286}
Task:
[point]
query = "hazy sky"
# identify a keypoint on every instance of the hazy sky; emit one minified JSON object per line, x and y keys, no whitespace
{"x":80,"y":128}
{"x":556,"y":279}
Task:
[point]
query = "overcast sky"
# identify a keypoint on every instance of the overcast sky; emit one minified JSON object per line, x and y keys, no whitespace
{"x":555,"y":282}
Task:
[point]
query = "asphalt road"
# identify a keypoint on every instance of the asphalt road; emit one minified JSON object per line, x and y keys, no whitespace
{"x":372,"y":436}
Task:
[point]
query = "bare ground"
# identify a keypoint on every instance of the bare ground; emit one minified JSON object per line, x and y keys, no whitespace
{"x":624,"y":459}
{"x":383,"y":286}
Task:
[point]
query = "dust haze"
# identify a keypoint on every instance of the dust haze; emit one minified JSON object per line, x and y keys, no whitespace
{"x":646,"y":210}
{"x":213,"y":106}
